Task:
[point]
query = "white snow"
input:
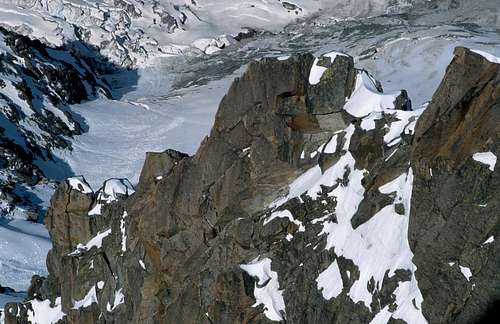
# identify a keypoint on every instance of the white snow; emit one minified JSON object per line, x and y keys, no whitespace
{"x":311,"y":180}
{"x":366,"y":98}
{"x":402,"y":126}
{"x":115,"y":187}
{"x":96,"y":241}
{"x":111,"y":191}
{"x":96,"y":210}
{"x":490,"y":57}
{"x":78,"y":183}
{"x":285,"y":214}
{"x":120,"y":133}
{"x":487,"y":158}
{"x":202,"y":25}
{"x":34,"y":25}
{"x":123,"y":231}
{"x":331,"y":147}
{"x":89,"y":299}
{"x":316,"y":72}
{"x":269,"y":295}
{"x":382,"y":317}
{"x":490,"y":239}
{"x":43,"y":313}
{"x":376,"y":246}
{"x":466,"y":272}
{"x":23,"y":250}
{"x":211,"y":45}
{"x":119,"y":299}
{"x":330,"y":281}
{"x":366,"y":101}
{"x":368,"y":123}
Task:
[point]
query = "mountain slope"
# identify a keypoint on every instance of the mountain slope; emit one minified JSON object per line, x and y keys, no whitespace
{"x":297,"y":207}
{"x":131,"y":32}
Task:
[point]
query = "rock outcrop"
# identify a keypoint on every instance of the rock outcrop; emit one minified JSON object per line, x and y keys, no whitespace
{"x":455,"y":203}
{"x":296,"y":208}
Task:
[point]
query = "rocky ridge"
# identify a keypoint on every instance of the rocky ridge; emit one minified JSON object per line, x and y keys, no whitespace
{"x":316,"y":198}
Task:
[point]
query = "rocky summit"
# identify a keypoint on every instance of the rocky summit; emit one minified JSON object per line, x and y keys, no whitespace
{"x":316,"y":198}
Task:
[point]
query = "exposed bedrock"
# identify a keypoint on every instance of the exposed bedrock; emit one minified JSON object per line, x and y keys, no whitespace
{"x":455,"y":201}
{"x":296,"y":208}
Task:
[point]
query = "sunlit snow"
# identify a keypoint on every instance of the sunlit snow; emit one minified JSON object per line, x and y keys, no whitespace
{"x":487,"y":158}
{"x":466,"y":272}
{"x":43,"y":313}
{"x":490,"y":57}
{"x":96,"y":241}
{"x":330,"y":281}
{"x":269,"y":295}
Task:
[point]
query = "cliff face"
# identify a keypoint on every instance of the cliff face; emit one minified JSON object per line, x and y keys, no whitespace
{"x":454,"y":221}
{"x":301,"y":206}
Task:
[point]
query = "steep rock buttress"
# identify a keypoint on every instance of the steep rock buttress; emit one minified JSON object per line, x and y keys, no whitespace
{"x":296,"y":208}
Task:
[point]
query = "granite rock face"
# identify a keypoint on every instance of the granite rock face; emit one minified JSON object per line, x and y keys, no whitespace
{"x":455,"y":202}
{"x":300,"y":207}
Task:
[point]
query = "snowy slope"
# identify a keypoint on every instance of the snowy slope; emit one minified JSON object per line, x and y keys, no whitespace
{"x":152,"y":117}
{"x":130,"y":31}
{"x":174,"y":101}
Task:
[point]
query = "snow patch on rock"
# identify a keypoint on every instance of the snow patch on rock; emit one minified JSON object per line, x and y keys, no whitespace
{"x":123,"y":231}
{"x":330,"y":281}
{"x":96,"y":241}
{"x":378,"y":246}
{"x":487,"y":158}
{"x":490,"y":57}
{"x":89,"y":299}
{"x":405,"y":124}
{"x":366,"y":98}
{"x":285,"y":214}
{"x":466,"y":272}
{"x":79,"y":183}
{"x":266,"y":290}
{"x":119,"y":299}
{"x":112,"y":190}
{"x":490,"y":239}
{"x":317,"y":71}
{"x":43,"y":313}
